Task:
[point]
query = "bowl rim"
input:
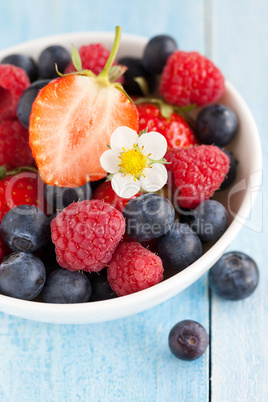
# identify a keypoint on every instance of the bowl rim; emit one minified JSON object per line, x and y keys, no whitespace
{"x":111,"y":309}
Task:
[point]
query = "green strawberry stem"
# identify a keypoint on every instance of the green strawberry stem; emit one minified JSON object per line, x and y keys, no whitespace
{"x":105,"y":72}
{"x":4,"y":173}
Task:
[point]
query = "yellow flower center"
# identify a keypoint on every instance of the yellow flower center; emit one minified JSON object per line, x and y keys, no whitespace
{"x":133,"y":162}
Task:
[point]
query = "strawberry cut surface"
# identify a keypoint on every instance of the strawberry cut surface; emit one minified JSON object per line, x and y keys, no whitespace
{"x":71,"y":124}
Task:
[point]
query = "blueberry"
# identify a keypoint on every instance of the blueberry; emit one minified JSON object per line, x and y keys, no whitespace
{"x":235,"y":276}
{"x":26,"y":100}
{"x":64,"y":286}
{"x":209,"y":220}
{"x":25,"y":228}
{"x":24,"y":62}
{"x":101,"y":289}
{"x":61,"y":197}
{"x":216,"y":124}
{"x":180,"y":247}
{"x":156,"y":53}
{"x":231,"y":175}
{"x":22,"y":275}
{"x":148,"y":216}
{"x":136,"y":69}
{"x":49,"y":57}
{"x":188,"y":340}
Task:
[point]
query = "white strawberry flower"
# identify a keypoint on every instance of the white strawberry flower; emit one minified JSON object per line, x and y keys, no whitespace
{"x":135,"y":162}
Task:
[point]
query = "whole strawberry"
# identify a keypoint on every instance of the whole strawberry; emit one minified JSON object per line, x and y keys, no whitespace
{"x":24,"y":188}
{"x":13,"y":81}
{"x":105,"y":193}
{"x":14,"y":145}
{"x":133,"y":268}
{"x":174,"y":127}
{"x":197,"y":173}
{"x":86,"y":234}
{"x":189,"y":77}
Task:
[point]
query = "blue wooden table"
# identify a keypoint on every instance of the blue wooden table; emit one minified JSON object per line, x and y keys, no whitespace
{"x":129,"y":359}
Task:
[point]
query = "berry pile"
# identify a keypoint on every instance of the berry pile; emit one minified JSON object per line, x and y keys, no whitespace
{"x":73,"y":239}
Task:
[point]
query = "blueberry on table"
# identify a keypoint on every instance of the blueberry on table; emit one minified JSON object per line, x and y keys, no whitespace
{"x":50,"y":56}
{"x":26,"y":100}
{"x":180,"y":247}
{"x":25,"y":228}
{"x":216,"y":124}
{"x":22,"y":61}
{"x":148,"y":216}
{"x":136,"y":69}
{"x":188,"y":340}
{"x":61,"y":197}
{"x":64,"y":286}
{"x":156,"y":53}
{"x":22,"y":275}
{"x":235,"y":276}
{"x":209,"y":220}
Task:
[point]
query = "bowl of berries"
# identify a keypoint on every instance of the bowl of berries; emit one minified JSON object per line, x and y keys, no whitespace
{"x":127,"y":167}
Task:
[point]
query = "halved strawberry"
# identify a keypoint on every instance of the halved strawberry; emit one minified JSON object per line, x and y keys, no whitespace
{"x":71,"y":123}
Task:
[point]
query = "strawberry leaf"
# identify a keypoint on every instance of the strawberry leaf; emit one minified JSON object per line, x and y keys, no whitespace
{"x":76,"y":59}
{"x":116,"y":72}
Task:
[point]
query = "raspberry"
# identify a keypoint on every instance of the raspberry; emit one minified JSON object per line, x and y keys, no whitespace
{"x":93,"y":58}
{"x":189,"y":77}
{"x":13,"y":81}
{"x":86,"y":234}
{"x":198,"y":173}
{"x":14,"y":145}
{"x":133,"y":268}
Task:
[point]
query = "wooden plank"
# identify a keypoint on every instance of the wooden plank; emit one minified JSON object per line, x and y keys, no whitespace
{"x":124,"y":360}
{"x":239,"y":341}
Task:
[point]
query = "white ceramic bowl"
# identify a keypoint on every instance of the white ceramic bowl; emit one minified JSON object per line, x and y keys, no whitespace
{"x":238,"y":200}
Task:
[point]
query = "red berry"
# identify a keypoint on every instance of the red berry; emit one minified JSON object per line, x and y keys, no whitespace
{"x":198,"y":172}
{"x":25,"y":188}
{"x":105,"y":193}
{"x":85,"y":235}
{"x":14,"y":145}
{"x":93,"y":58}
{"x":133,"y":268}
{"x":13,"y":81}
{"x":189,"y":77}
{"x":175,"y":129}
{"x":71,"y":123}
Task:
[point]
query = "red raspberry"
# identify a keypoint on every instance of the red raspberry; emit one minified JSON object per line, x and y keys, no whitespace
{"x":93,"y":58}
{"x":15,"y":150}
{"x":175,"y":129}
{"x":133,"y":268}
{"x":13,"y":81}
{"x":105,"y":193}
{"x":198,"y":173}
{"x":190,"y":78}
{"x":85,"y":234}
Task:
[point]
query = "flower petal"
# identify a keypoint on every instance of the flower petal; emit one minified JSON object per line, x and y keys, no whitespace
{"x":155,"y":177}
{"x":153,"y":144}
{"x":124,"y":185}
{"x":123,"y":138}
{"x":109,"y":161}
